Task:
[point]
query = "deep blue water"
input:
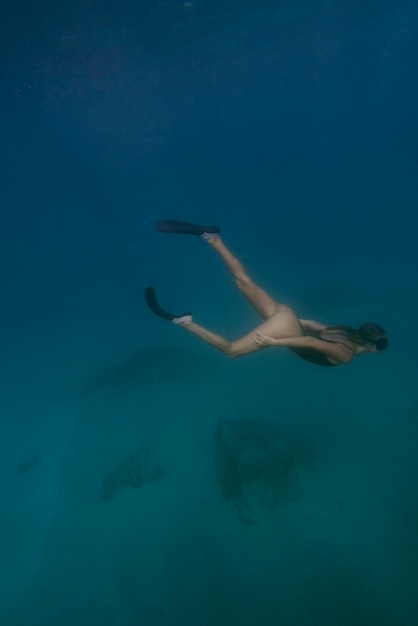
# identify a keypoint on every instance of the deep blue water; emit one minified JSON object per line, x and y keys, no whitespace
{"x":292,"y":125}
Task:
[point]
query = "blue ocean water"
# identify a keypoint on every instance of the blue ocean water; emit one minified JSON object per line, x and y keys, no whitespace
{"x":292,"y":125}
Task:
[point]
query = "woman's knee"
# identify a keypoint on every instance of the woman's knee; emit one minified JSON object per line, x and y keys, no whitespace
{"x":231,"y":350}
{"x":243,"y":282}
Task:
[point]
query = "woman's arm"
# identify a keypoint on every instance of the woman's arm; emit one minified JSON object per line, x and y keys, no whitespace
{"x":336,"y":352}
{"x":311,"y":327}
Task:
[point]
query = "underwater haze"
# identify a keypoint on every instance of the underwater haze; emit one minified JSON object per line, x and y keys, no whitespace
{"x":145,"y":478}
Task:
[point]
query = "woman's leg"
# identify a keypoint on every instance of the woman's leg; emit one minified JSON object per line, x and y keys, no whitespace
{"x":283,"y":323}
{"x":263,"y":303}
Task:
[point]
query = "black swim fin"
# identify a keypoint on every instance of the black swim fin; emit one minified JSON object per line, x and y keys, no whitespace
{"x":157,"y":310}
{"x":185,"y":228}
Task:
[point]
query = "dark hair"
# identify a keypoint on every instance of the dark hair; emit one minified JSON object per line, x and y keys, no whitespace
{"x":366,"y":334}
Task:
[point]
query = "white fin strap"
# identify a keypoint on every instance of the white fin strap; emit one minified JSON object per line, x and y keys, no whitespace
{"x":207,"y":236}
{"x":182,"y":319}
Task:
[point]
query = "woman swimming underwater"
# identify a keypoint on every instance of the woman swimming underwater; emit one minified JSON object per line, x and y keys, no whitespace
{"x":314,"y":342}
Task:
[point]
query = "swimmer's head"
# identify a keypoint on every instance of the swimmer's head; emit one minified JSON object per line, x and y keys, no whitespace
{"x":373,"y":335}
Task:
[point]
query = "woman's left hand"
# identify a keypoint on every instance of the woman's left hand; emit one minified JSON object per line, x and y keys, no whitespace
{"x":263,"y":341}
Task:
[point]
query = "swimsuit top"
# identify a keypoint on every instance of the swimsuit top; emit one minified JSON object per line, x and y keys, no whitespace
{"x":319,"y":358}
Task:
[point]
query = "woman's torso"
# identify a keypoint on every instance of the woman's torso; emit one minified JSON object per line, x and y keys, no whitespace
{"x":335,"y":336}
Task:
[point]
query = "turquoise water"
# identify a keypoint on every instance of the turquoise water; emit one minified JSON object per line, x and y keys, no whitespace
{"x":293,"y":126}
